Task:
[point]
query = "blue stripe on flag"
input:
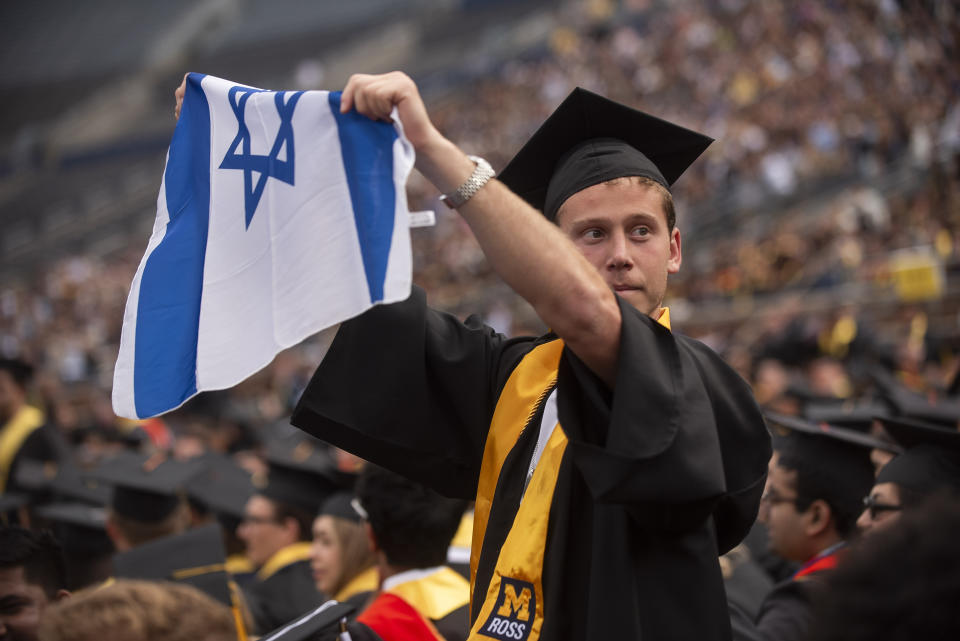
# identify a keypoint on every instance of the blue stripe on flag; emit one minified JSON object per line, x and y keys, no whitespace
{"x":367,"y":150}
{"x":168,"y":310}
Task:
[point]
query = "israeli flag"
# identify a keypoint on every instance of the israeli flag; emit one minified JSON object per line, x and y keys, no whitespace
{"x":278,"y":216}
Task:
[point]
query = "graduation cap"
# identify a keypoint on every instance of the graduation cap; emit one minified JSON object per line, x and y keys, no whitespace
{"x":343,"y":505}
{"x":904,"y":402}
{"x":81,"y":529}
{"x":196,"y":557}
{"x":10,"y":503}
{"x":803,"y":426}
{"x":590,"y":139}
{"x":931,"y":461}
{"x":146,"y":489}
{"x":311,"y":624}
{"x":221,"y":486}
{"x":301,"y":473}
{"x":858,"y":415}
{"x":65,"y":480}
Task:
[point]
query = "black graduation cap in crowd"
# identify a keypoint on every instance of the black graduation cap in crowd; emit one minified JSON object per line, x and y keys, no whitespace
{"x":311,"y":624}
{"x":81,"y":515}
{"x":590,"y":139}
{"x":81,"y":529}
{"x":301,"y":473}
{"x":803,"y":426}
{"x":196,"y":557}
{"x":858,"y":415}
{"x":904,"y":402}
{"x":146,"y":489}
{"x":343,"y":505}
{"x":65,"y":480}
{"x":931,"y":461}
{"x":221,"y":487}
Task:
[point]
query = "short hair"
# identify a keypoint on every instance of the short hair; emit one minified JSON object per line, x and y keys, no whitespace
{"x":304,"y":518}
{"x":900,"y":583}
{"x":832,"y":471}
{"x":355,"y":552}
{"x":38,"y":553}
{"x":411,"y":523}
{"x":139,"y":532}
{"x":139,"y":611}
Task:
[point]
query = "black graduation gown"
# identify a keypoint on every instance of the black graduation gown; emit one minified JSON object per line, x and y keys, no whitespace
{"x":659,"y":477}
{"x":283,"y":596}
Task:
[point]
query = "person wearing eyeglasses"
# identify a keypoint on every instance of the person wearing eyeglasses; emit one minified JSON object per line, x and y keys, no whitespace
{"x":810,"y":506}
{"x":930,"y":465}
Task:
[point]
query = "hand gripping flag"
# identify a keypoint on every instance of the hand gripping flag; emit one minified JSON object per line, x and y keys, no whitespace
{"x":278,"y":216}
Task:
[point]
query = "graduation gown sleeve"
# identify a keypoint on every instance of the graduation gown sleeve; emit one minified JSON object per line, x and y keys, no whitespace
{"x":413,"y":390}
{"x":678,"y":440}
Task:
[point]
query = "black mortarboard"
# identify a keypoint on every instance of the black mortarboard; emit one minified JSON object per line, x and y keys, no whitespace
{"x":196,"y":557}
{"x":146,"y":488}
{"x":590,"y":139}
{"x":222,"y":486}
{"x":904,"y":402}
{"x":857,"y":415}
{"x":343,"y":505}
{"x":826,"y":430}
{"x":301,"y":473}
{"x":87,"y":548}
{"x":81,"y":515}
{"x":931,"y":461}
{"x":910,"y":432}
{"x":311,"y":624}
{"x":64,"y":480}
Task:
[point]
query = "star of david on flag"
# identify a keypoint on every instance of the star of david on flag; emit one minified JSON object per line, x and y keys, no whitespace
{"x":277,"y":217}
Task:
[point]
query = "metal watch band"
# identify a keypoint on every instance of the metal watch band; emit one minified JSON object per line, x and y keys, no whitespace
{"x":482,"y":173}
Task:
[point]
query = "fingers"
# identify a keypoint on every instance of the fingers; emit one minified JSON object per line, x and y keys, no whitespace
{"x":178,"y":95}
{"x":376,"y":96}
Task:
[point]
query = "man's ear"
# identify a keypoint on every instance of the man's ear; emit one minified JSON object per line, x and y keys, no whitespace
{"x":819,"y":518}
{"x":63,"y":594}
{"x":676,"y":253}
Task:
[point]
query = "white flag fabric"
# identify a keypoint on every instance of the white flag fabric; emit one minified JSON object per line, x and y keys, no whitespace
{"x":278,"y":216}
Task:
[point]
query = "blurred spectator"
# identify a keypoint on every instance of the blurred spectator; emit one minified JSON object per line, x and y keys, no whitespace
{"x":32,"y":577}
{"x":342,"y":562}
{"x":901,"y":584}
{"x":139,"y":611}
{"x":411,"y":528}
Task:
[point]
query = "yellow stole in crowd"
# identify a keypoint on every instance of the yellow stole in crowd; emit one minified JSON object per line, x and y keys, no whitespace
{"x":15,"y":432}
{"x":283,"y":557}
{"x":513,"y":604}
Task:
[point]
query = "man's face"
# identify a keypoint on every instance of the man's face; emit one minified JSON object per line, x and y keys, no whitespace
{"x":261,"y":531}
{"x":778,"y":511}
{"x":21,"y":606}
{"x":621,"y":228}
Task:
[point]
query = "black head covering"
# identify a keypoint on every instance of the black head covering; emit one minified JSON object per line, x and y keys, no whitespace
{"x":342,"y":505}
{"x":301,"y":473}
{"x":146,"y":489}
{"x":826,"y":430}
{"x":590,"y":139}
{"x":931,"y":461}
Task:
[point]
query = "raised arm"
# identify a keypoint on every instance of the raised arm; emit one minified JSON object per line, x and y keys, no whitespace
{"x":531,"y":254}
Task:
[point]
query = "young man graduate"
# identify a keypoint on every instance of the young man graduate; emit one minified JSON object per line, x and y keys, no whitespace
{"x":611,"y":460}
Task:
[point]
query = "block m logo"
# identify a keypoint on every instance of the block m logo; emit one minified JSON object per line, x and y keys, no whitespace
{"x":513,"y":612}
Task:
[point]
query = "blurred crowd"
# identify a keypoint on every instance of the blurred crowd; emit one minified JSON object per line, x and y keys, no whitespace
{"x":823,"y":259}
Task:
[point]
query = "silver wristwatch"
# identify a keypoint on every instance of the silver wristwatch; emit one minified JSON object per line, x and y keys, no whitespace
{"x":482,"y":173}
